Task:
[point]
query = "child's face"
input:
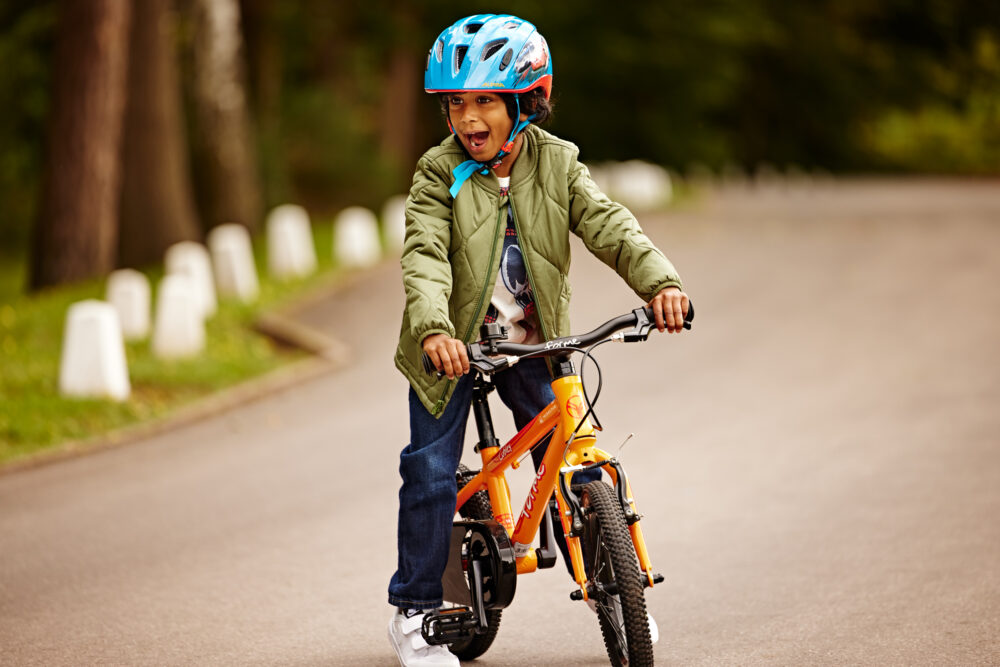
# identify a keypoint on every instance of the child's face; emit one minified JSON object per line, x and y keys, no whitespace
{"x":481,"y":123}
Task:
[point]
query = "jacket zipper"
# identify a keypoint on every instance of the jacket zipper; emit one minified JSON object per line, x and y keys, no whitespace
{"x":527,"y":266}
{"x":486,"y":285}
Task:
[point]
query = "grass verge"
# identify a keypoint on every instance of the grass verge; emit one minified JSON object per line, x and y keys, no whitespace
{"x":34,"y":417}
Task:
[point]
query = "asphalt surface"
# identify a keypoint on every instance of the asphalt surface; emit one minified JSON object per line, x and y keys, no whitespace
{"x":818,"y":463}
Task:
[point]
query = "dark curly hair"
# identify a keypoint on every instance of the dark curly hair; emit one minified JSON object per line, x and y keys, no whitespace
{"x":532,"y":102}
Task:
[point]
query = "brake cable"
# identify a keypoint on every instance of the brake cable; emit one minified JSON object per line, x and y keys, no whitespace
{"x":586,"y":352}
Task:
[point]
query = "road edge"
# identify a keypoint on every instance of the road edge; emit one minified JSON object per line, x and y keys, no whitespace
{"x":327,"y":354}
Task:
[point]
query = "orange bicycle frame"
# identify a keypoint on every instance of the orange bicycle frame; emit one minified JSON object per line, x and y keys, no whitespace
{"x":573,"y":443}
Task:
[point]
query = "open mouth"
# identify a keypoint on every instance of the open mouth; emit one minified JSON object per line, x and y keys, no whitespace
{"x":477,"y":139}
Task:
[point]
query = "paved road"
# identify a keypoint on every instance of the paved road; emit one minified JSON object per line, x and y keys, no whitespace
{"x":818,"y":462}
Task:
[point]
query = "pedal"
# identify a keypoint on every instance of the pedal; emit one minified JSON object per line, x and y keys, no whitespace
{"x":448,"y":625}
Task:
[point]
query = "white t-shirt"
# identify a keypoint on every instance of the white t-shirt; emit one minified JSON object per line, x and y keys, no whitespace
{"x":513,"y":304}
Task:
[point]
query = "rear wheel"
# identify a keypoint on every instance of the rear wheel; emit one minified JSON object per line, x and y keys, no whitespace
{"x":613,"y":576}
{"x":478,"y":507}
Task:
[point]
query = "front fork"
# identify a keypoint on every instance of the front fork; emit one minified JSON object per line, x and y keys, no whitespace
{"x":571,"y":515}
{"x":581,"y":454}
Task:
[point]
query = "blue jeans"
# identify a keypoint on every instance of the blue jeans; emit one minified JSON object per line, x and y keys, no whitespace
{"x":428,"y":464}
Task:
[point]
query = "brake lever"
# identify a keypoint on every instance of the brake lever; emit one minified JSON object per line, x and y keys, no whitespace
{"x":642,"y":329}
{"x":478,"y":358}
{"x":485,"y":363}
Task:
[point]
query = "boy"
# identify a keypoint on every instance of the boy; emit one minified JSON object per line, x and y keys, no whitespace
{"x":487,"y":239}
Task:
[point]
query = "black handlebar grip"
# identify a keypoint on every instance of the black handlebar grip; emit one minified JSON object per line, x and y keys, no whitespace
{"x":687,"y":318}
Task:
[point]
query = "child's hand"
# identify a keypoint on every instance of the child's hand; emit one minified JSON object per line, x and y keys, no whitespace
{"x":669,"y":306}
{"x":448,"y":354}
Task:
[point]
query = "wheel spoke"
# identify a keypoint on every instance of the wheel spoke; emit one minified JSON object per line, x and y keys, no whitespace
{"x":613,"y":616}
{"x":610,"y":605}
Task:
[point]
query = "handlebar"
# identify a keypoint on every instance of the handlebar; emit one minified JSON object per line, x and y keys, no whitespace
{"x":492,"y":355}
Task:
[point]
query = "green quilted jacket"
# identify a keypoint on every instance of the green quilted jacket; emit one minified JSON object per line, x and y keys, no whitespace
{"x":451,"y":252}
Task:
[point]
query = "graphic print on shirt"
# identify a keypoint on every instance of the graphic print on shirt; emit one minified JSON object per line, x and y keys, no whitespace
{"x":513,"y":304}
{"x":515,"y":274}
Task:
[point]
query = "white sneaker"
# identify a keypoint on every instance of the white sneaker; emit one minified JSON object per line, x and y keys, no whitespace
{"x":411,"y":649}
{"x":654,"y":630}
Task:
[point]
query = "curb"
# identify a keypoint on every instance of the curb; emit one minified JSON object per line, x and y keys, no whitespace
{"x":328,"y":355}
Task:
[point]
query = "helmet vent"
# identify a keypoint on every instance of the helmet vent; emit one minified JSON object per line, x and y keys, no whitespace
{"x":460,"y":56}
{"x":439,"y":50}
{"x":510,"y":25}
{"x":471,"y":28}
{"x":490,"y":49}
{"x":507,"y":57}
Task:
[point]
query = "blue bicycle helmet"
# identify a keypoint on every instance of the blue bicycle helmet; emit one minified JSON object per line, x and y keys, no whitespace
{"x":489,"y":53}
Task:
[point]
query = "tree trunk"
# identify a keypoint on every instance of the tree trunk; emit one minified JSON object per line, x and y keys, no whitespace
{"x":401,"y":91}
{"x":398,"y":122}
{"x":157,"y":206}
{"x":226,"y":154}
{"x":75,"y":233}
{"x":262,"y":33}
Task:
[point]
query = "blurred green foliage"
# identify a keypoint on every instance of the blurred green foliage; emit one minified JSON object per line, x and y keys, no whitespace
{"x":838,"y":85}
{"x":26,"y":42}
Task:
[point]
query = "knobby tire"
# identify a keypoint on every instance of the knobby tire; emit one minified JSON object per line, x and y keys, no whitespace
{"x":610,"y":559}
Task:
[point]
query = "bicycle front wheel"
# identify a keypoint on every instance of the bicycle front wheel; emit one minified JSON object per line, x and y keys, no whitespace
{"x":613,"y":575}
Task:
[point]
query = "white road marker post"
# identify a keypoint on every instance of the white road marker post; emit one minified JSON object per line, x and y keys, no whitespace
{"x":93,"y":361}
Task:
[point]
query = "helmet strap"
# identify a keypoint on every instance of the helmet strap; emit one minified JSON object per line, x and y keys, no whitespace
{"x":519,"y":125}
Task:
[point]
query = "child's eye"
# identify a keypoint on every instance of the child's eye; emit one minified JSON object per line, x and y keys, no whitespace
{"x":484,"y":100}
{"x":454,"y":101}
